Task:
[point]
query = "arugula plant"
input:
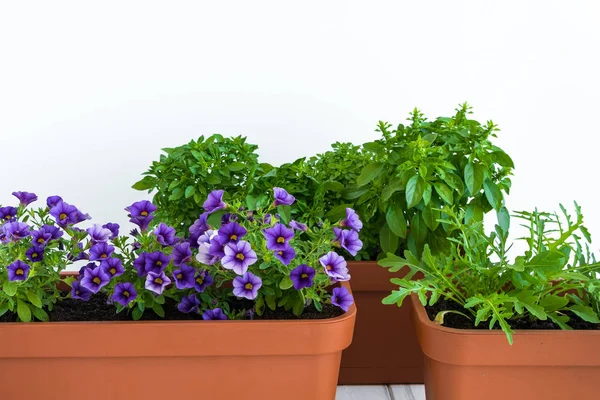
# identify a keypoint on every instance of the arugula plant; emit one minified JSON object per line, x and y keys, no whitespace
{"x":554,"y":279}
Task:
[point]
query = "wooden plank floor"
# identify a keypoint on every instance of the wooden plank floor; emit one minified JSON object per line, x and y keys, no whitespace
{"x":391,"y":392}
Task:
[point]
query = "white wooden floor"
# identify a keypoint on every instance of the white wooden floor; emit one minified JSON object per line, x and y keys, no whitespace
{"x":392,"y":392}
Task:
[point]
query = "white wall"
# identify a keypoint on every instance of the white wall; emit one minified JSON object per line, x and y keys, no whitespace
{"x":90,"y":93}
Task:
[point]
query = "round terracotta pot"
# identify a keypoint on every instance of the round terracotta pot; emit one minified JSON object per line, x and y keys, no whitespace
{"x":293,"y":359}
{"x":474,"y":364}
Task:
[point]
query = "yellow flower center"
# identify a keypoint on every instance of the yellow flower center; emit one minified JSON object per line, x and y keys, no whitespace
{"x":77,"y":292}
{"x":19,"y":271}
{"x":158,"y":281}
{"x":233,"y":237}
{"x":104,"y":256}
{"x":126,"y":294}
{"x":280,"y":252}
{"x":144,"y":213}
{"x":7,"y":217}
{"x":159,"y":263}
{"x":112,"y":271}
{"x":240,"y":256}
{"x":97,"y":280}
{"x":248,"y":286}
{"x":34,"y":255}
{"x":304,"y":276}
{"x":41,"y":240}
{"x":179,"y":276}
{"x":62,"y":216}
{"x":280,"y":239}
{"x":329,"y":268}
{"x":200,"y":281}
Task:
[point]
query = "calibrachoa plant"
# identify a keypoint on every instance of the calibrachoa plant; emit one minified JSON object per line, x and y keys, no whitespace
{"x":233,"y":262}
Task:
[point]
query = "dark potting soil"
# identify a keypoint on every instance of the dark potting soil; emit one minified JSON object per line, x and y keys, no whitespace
{"x":97,"y":309}
{"x":452,"y":320}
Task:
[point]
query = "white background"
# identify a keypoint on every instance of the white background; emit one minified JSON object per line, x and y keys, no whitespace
{"x":90,"y":91}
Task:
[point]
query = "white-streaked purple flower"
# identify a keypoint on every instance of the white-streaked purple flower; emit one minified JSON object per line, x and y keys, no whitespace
{"x":342,"y":298}
{"x":18,"y":271}
{"x":94,"y":279}
{"x":298,"y":226}
{"x":141,"y":213}
{"x":246,"y":286}
{"x":335,"y":266}
{"x":286,"y":255}
{"x":101,"y":251}
{"x":157,"y":262}
{"x":52,"y":201}
{"x":16,"y":230}
{"x":267,"y":219}
{"x":202,"y":280}
{"x":278,"y":237}
{"x":25,"y":198}
{"x":214,"y":201}
{"x":35,"y":253}
{"x":349,"y":240}
{"x":7,"y":213}
{"x":216,"y":314}
{"x":113,"y":228}
{"x":216,"y":247}
{"x":302,"y":276}
{"x":282,"y":197}
{"x":231,"y":232}
{"x":352,"y":220}
{"x":181,"y":253}
{"x":156,"y":282}
{"x":228,"y":218}
{"x":184,"y":277}
{"x":79,"y":292}
{"x":98,"y":234}
{"x":124,"y":293}
{"x":189,"y":304}
{"x":112,"y":266}
{"x":238,"y":256}
{"x":165,"y":234}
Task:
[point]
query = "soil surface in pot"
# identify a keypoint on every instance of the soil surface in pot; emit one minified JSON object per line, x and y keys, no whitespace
{"x":452,"y":320}
{"x":98,"y":309}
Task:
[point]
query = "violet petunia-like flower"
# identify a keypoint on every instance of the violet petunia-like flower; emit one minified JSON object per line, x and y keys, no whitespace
{"x":80,"y":217}
{"x":35,"y":253}
{"x":278,"y":237}
{"x":282,"y":197}
{"x":113,"y":266}
{"x":113,"y":228}
{"x":181,"y":253}
{"x":156,"y":282}
{"x":165,"y":234}
{"x":286,"y":255}
{"x":16,"y":230}
{"x":202,"y":280}
{"x":267,"y":219}
{"x":18,"y":271}
{"x":210,"y":249}
{"x":302,"y":276}
{"x":101,"y":251}
{"x":246,"y":286}
{"x":216,"y":314}
{"x":140,"y":213}
{"x":25,"y":198}
{"x":156,"y":262}
{"x":94,"y":279}
{"x":7,"y":213}
{"x":199,"y":227}
{"x":214,"y":201}
{"x":99,"y":234}
{"x":342,"y":298}
{"x":79,"y":292}
{"x":55,"y":231}
{"x":140,"y":264}
{"x":349,"y":240}
{"x":231,"y":233}
{"x":189,"y":304}
{"x":52,"y":201}
{"x":228,"y":218}
{"x":238,"y":256}
{"x":184,"y":277}
{"x":64,"y":214}
{"x":40,"y":237}
{"x":124,"y":293}
{"x":335,"y":266}
{"x":298,"y":226}
{"x":352,"y":220}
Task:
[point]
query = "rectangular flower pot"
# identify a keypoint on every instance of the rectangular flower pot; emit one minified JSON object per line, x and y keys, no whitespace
{"x":385,"y":349}
{"x":294,"y":359}
{"x":480,"y":364}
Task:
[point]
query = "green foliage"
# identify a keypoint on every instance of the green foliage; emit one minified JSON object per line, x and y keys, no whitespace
{"x":555,"y":277}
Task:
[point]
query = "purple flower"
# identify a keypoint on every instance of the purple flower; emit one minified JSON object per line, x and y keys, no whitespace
{"x":101,"y":251}
{"x":112,"y":266}
{"x":238,"y":256}
{"x":140,"y":264}
{"x":202,"y":281}
{"x":341,"y":298}
{"x":246,"y":286}
{"x":40,"y":237}
{"x":53,"y":230}
{"x":335,"y":266}
{"x":7,"y":213}
{"x":214,"y":201}
{"x":156,"y":282}
{"x":156,"y":262}
{"x":80,"y":217}
{"x":184,"y":277}
{"x":286,"y":255}
{"x":99,"y":234}
{"x":231,"y":233}
{"x":282,"y":197}
{"x":267,"y":219}
{"x":278,"y":237}
{"x":349,"y":240}
{"x":298,"y":226}
{"x":94,"y":279}
{"x":35,"y":253}
{"x":25,"y":198}
{"x":140,"y":213}
{"x":216,"y":247}
{"x":216,"y":314}
{"x":302,"y":276}
{"x":181,"y":253}
{"x":124,"y":293}
{"x":79,"y":292}
{"x":16,"y":230}
{"x":18,"y":271}
{"x":82,"y":269}
{"x":165,"y":234}
{"x":64,"y":214}
{"x":189,"y":304}
{"x":113,"y":228}
{"x":52,"y":201}
{"x":352,"y":220}
{"x":198,"y":228}
{"x":228,"y":218}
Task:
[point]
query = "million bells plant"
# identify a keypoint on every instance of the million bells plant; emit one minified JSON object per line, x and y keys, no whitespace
{"x":233,"y":263}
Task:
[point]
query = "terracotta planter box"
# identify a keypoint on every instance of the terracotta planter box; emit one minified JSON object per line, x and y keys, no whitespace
{"x":385,"y":349}
{"x":480,"y":364}
{"x":173,"y":359}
